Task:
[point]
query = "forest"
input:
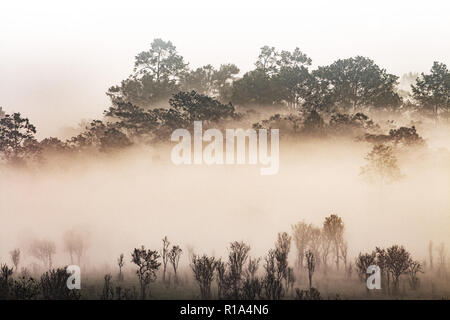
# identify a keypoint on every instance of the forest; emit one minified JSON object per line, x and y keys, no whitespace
{"x":362,"y":152}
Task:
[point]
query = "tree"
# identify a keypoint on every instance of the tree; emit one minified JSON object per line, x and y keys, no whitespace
{"x":17,"y":141}
{"x":157,"y":75}
{"x":197,"y":107}
{"x":43,"y":250}
{"x":430,"y":253}
{"x":5,"y":281}
{"x":203,"y":268}
{"x":414,"y":268}
{"x":174,"y":258}
{"x":108,"y":292}
{"x":362,"y":263}
{"x":76,"y":242}
{"x":120,"y":263}
{"x":432,"y":91}
{"x":358,"y":82}
{"x":165,"y":256}
{"x":442,"y":269}
{"x":273,"y":287}
{"x":251,"y":288}
{"x":313,"y":124}
{"x":161,"y":61}
{"x":381,"y":165}
{"x":333,"y":228}
{"x":53,"y":285}
{"x":255,"y":88}
{"x":311,"y":263}
{"x":209,"y":81}
{"x":15,"y":258}
{"x":237,"y":257}
{"x":282,"y":248}
{"x":268,"y":61}
{"x":302,"y":236}
{"x":147,"y":262}
{"x":398,"y":262}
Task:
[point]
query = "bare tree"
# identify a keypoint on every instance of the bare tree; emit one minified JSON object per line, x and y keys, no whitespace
{"x":277,"y":268}
{"x":252,"y":286}
{"x":148,"y":265}
{"x":315,"y":244}
{"x":414,"y":268}
{"x":43,"y":250}
{"x":76,"y":242}
{"x":333,"y":227}
{"x":120,"y":263}
{"x":272,"y":285}
{"x":430,"y":253}
{"x":382,"y":262}
{"x":362,"y":263}
{"x":311,"y":263}
{"x":15,"y":258}
{"x":174,"y":257}
{"x":282,"y":248}
{"x":237,"y":258}
{"x":441,"y":259}
{"x":302,"y":236}
{"x":398,"y":263}
{"x":325,"y":249}
{"x":381,"y":165}
{"x":344,"y":251}
{"x":108,"y":292}
{"x":203,"y":268}
{"x":165,"y":256}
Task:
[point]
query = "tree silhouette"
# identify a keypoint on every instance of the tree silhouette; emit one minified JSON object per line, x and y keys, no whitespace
{"x":333,"y":227}
{"x":15,"y":258}
{"x":174,"y":258}
{"x":432,"y":90}
{"x":147,"y":262}
{"x":203,"y":268}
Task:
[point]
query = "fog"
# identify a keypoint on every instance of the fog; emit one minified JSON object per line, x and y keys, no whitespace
{"x":138,"y":196}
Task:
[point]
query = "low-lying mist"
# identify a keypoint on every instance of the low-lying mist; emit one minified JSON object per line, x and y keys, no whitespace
{"x":136,"y":197}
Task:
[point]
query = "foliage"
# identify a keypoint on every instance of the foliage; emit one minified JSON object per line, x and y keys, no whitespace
{"x":432,"y":91}
{"x":147,"y":262}
{"x":203,"y":268}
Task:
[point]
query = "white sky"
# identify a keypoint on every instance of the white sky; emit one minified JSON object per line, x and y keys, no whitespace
{"x":57,"y":58}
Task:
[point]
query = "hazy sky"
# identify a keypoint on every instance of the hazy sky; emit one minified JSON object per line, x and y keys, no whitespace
{"x":57,"y":58}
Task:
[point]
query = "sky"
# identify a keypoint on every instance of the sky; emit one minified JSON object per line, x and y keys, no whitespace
{"x":58,"y":58}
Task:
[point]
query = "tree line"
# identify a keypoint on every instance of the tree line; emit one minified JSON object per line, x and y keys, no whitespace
{"x":322,"y":250}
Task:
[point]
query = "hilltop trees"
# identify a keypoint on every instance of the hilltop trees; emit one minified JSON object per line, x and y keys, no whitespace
{"x":432,"y":91}
{"x":210,"y":81}
{"x":357,"y":82}
{"x":278,"y":77}
{"x":17,"y":139}
{"x":157,"y":74}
